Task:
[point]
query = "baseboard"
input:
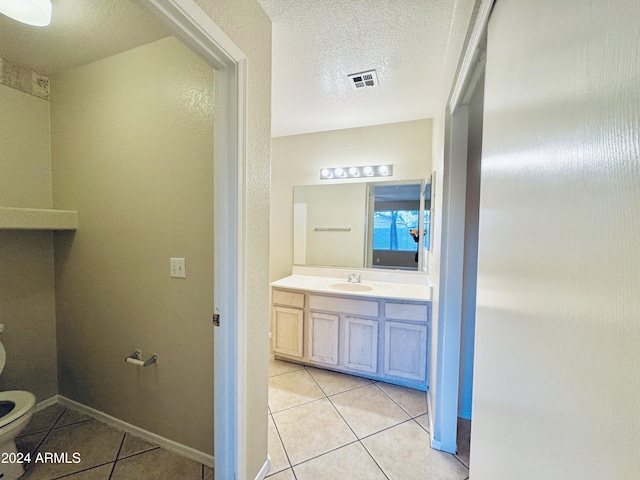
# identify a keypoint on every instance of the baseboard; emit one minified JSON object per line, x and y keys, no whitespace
{"x":163,"y":442}
{"x":265,"y":469}
{"x":45,"y":403}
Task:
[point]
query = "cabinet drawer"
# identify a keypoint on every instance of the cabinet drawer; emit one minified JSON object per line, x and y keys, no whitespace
{"x":406,"y":311}
{"x":292,"y":299}
{"x":344,"y":305}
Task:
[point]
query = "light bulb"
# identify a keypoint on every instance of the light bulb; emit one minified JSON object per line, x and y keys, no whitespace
{"x":325,"y":172}
{"x":354,"y":172}
{"x":383,"y":169}
{"x":31,"y":12}
{"x":368,"y":171}
{"x":339,"y":172}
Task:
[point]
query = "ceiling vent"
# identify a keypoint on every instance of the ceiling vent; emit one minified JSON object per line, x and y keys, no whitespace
{"x":363,"y":79}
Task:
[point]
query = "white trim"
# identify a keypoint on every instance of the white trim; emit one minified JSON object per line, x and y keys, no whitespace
{"x":444,"y":429}
{"x":265,"y":469}
{"x":451,"y":266}
{"x":474,"y":48}
{"x":45,"y":403}
{"x":197,"y":30}
{"x":430,"y":416}
{"x":237,"y":341}
{"x":163,"y":442}
{"x":188,"y":22}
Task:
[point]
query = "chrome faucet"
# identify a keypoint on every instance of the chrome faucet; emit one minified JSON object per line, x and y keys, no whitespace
{"x":353,"y":278}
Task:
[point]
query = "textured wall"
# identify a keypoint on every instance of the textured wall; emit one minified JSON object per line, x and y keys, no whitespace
{"x":250,"y":29}
{"x":556,"y":377}
{"x":132,"y":149}
{"x":297,"y":160}
{"x":25,"y":158}
{"x":27,"y":307}
{"x":27,"y":302}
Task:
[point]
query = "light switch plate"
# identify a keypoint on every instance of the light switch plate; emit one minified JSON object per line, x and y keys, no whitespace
{"x":177,"y":268}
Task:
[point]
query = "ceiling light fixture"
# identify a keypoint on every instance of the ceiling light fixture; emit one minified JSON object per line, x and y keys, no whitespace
{"x":355,"y":172}
{"x":31,"y":12}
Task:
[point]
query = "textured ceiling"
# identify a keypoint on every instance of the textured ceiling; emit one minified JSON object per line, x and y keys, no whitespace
{"x":317,"y":43}
{"x":81,"y":32}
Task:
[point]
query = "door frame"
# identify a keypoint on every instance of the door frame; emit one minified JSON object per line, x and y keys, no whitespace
{"x":190,"y":24}
{"x":445,"y":418}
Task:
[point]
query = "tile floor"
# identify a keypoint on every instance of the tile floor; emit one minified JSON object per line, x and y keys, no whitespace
{"x":322,"y":425}
{"x":105,"y":452}
{"x":325,"y":425}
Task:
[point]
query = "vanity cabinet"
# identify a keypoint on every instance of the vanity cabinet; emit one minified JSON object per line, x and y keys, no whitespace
{"x":323,"y":338}
{"x":405,"y":352}
{"x":378,"y":338}
{"x":361,"y":344}
{"x":405,"y":341}
{"x":288,"y":323}
{"x":354,"y":333}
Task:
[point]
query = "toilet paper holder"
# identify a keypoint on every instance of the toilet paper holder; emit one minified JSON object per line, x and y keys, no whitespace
{"x":136,"y":359}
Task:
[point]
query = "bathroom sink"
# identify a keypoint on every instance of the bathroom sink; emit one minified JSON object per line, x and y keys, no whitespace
{"x":351,"y":287}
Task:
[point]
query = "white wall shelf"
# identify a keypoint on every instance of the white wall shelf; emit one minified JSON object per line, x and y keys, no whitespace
{"x":12,"y":218}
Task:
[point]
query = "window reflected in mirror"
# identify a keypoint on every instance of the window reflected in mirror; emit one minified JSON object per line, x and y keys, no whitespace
{"x":396,"y":236}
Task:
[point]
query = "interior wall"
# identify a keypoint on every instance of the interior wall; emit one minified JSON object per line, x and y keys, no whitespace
{"x":249,"y":28}
{"x":27,"y":300}
{"x":25,"y":147}
{"x":556,"y":374}
{"x":298,"y":159}
{"x":132,"y":152}
{"x":470,"y":268}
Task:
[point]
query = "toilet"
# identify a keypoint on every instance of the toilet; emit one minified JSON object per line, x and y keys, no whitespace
{"x":16,"y":409}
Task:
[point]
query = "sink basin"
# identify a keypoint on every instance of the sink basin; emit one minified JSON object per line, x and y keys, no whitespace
{"x":351,"y":287}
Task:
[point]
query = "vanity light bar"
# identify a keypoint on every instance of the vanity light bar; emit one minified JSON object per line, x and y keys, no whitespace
{"x":355,"y":172}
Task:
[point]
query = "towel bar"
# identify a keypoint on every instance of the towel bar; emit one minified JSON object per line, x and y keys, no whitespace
{"x":331,"y":229}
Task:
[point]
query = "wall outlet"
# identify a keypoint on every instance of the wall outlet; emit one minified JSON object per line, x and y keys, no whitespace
{"x":177,"y":268}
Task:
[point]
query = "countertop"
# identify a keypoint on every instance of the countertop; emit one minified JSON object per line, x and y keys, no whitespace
{"x":321,"y":284}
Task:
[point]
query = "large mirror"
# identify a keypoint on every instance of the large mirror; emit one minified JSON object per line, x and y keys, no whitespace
{"x":363,"y":225}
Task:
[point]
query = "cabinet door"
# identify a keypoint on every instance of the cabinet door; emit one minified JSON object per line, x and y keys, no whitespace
{"x":405,"y":350}
{"x":323,"y":338}
{"x":361,"y":344}
{"x":287,"y":331}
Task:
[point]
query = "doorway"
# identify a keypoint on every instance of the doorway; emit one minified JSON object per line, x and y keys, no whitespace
{"x":198,"y":31}
{"x":470,"y":264}
{"x":456,"y":314}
